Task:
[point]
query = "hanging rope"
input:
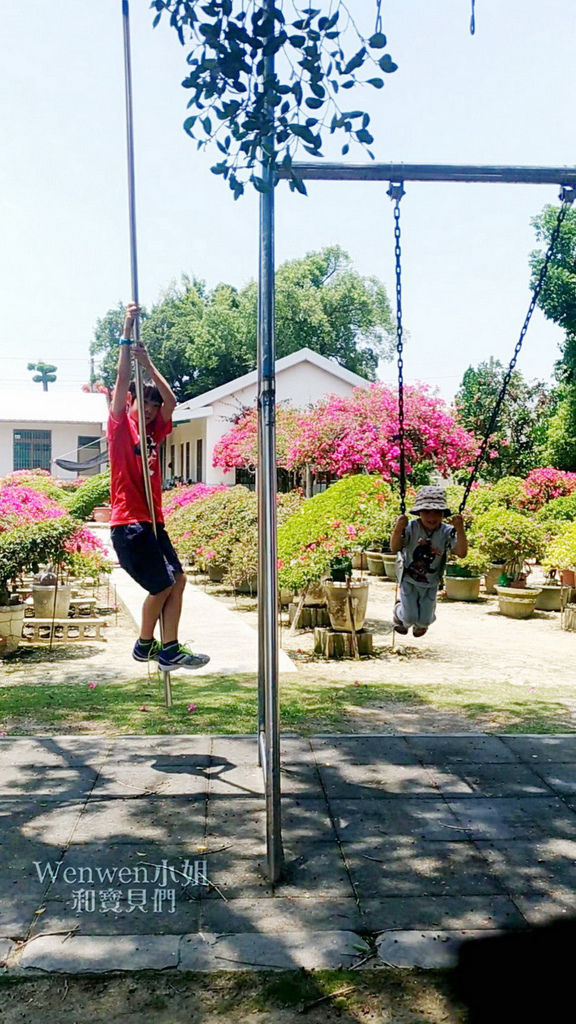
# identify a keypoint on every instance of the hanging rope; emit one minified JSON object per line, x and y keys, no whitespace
{"x":567,"y":196}
{"x":473,"y":18}
{"x":396,"y":191}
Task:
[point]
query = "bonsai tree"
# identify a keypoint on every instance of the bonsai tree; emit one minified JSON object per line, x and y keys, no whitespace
{"x":509,"y":538}
{"x":25,"y":548}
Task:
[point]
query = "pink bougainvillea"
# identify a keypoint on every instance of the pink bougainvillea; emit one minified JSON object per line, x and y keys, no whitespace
{"x":543,"y":484}
{"x":239,"y":447}
{"x":359,"y":433}
{"x":20,"y":505}
{"x":184,"y":494}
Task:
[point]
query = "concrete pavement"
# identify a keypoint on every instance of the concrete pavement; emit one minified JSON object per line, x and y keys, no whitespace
{"x":148,"y":852}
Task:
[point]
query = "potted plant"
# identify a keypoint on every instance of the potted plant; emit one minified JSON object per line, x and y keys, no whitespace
{"x":24,"y":549}
{"x":560,"y":555}
{"x":511,"y":538}
{"x":464,"y":575}
{"x":346,"y":599}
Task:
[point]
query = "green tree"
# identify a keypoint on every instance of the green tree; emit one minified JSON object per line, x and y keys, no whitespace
{"x":558,"y":303}
{"x":521,"y":427}
{"x":200,"y":339}
{"x":45,"y":373}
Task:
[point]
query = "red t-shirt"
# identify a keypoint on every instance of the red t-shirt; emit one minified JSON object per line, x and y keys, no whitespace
{"x":127,"y":494}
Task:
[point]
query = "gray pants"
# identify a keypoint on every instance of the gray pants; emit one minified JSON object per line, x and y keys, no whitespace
{"x":416,"y":605}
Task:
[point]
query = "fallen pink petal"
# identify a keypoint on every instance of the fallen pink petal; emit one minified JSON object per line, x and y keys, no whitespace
{"x":191,"y":707}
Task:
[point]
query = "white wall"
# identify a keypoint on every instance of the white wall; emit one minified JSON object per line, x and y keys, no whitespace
{"x":64,"y":442}
{"x":298,"y":386}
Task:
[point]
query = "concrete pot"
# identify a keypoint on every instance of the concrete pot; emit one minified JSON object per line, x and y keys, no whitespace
{"x":44,"y":601}
{"x":462,"y":588}
{"x":517,"y":603}
{"x":11,"y":622}
{"x":314,"y":595}
{"x":359,"y":560}
{"x":338,"y":605}
{"x":491,"y":577}
{"x":552,"y":598}
{"x":216,"y":570}
{"x":389,"y":563}
{"x":375,"y":563}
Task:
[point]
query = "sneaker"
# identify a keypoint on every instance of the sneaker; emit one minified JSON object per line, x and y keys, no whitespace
{"x":181,"y":657}
{"x":399,"y":626}
{"x":419,"y":630}
{"x":149,"y":653}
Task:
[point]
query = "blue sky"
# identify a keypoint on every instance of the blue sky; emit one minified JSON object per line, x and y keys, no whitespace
{"x":503,"y":96}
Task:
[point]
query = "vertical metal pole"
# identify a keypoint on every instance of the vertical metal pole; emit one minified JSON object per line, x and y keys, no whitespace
{"x":269,"y":718}
{"x":134,"y":278}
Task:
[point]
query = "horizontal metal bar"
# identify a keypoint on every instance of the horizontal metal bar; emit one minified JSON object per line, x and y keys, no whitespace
{"x":434,"y":172}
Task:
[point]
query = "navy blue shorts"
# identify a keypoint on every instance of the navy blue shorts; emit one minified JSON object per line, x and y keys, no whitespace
{"x":150,"y":560}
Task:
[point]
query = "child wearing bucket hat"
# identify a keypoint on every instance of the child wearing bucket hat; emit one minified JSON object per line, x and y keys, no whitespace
{"x":422,"y":546}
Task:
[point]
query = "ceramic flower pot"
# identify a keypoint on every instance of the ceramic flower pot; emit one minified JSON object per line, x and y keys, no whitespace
{"x":314,"y":595}
{"x":359,"y":560}
{"x":44,"y":605}
{"x":11,"y":622}
{"x":339,"y":605}
{"x":462,"y":588}
{"x":517,"y":603}
{"x":102,"y":514}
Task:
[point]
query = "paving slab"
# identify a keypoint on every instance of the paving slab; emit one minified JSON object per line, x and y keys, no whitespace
{"x":363,"y":749}
{"x":543,"y":748}
{"x":403,"y":818}
{"x":389,"y":913}
{"x":59,"y":916}
{"x":377,"y":781}
{"x":513,"y":818}
{"x":272,"y":951}
{"x":99,"y":953}
{"x":427,"y":949}
{"x":305,"y":914}
{"x":418,"y":868}
{"x":537,"y":867}
{"x":491,"y":780}
{"x":126,"y":819}
{"x":442,"y":750}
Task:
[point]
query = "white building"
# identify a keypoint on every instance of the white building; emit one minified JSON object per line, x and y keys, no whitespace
{"x":37,"y":427}
{"x":302,"y":378}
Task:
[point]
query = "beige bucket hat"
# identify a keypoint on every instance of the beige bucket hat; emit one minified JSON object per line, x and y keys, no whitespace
{"x":430,"y":497}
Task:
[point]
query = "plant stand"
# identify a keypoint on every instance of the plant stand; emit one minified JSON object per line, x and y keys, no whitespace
{"x":332,"y":644}
{"x":310,"y":616}
{"x":568,"y":620}
{"x":62,"y":631}
{"x":11,"y":623}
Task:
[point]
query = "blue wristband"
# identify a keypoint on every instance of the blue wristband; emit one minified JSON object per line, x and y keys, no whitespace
{"x":125,"y":341}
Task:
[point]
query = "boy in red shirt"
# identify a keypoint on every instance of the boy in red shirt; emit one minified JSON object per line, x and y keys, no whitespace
{"x":148,"y":558}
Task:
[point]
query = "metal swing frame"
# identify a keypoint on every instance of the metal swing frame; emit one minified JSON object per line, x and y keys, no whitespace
{"x":396,"y":175}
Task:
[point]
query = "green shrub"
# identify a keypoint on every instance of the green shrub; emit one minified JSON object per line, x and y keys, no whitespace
{"x":356,"y":512}
{"x":475,"y":563}
{"x":561,"y":550}
{"x":503,"y":535}
{"x":507,"y":492}
{"x":94,"y":491}
{"x":557,"y":512}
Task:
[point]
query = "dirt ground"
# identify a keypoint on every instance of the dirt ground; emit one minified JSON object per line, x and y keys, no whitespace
{"x":375,"y":997}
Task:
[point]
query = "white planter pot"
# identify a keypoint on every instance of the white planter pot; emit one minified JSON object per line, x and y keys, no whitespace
{"x":389,"y":563}
{"x":339,"y":606}
{"x":44,"y":601}
{"x":11,"y":622}
{"x":552,"y":599}
{"x":375,"y":563}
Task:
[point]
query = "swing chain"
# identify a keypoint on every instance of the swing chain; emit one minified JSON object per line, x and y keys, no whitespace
{"x":567,"y":196}
{"x":396,"y":191}
{"x":473,"y":18}
{"x":378,"y":26}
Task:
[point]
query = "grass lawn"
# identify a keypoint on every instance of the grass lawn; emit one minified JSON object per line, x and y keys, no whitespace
{"x":228,"y":704}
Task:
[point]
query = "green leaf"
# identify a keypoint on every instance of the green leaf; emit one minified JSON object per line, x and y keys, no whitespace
{"x":314,"y":103}
{"x":189,"y":124}
{"x":387,"y":64}
{"x":207,"y":125}
{"x":377,"y":41}
{"x":376,"y":82}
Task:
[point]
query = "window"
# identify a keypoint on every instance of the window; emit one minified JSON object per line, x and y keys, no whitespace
{"x":32,"y":449}
{"x":88,"y":447}
{"x":187,"y":470}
